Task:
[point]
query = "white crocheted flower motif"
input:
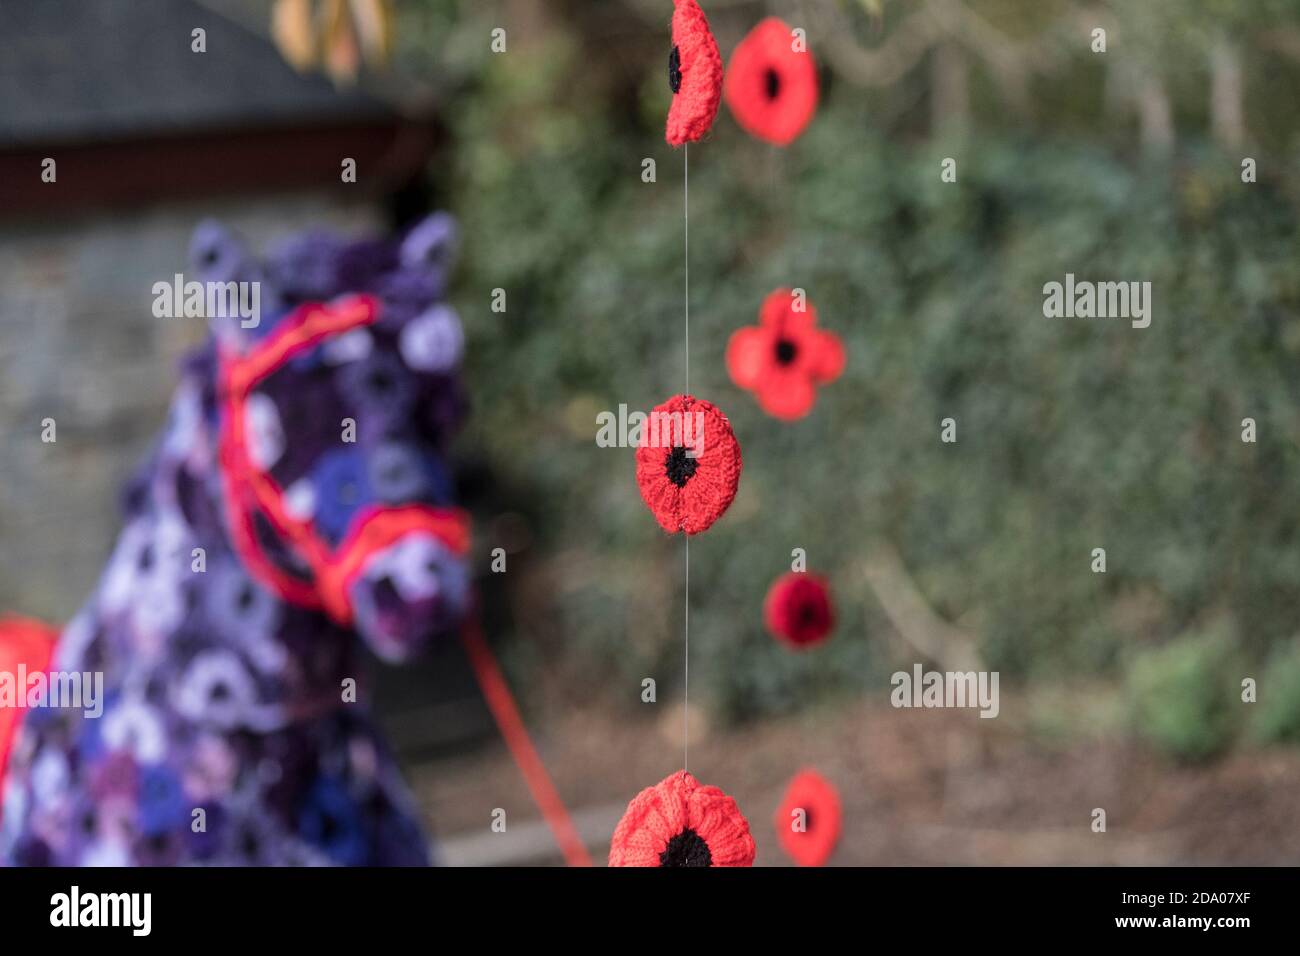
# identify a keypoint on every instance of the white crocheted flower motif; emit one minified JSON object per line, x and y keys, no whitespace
{"x":265,"y":433}
{"x":433,"y":341}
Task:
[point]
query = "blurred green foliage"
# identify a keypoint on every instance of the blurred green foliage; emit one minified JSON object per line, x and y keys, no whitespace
{"x":1183,"y":696}
{"x":1072,"y":434}
{"x":1277,"y":714}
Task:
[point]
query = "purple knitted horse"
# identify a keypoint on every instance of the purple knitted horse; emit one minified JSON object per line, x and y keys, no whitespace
{"x":296,"y":505}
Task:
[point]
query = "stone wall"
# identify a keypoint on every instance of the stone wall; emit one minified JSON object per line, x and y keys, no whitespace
{"x":79,"y":344}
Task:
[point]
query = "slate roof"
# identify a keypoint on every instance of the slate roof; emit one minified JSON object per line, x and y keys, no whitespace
{"x":93,"y":70}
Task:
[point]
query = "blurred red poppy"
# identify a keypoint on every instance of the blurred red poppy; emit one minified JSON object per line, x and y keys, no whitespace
{"x":25,"y":645}
{"x":808,"y":819}
{"x":798,"y":609}
{"x":784,"y":357}
{"x":687,"y":464}
{"x":678,"y":822}
{"x":771,"y":84}
{"x":694,"y":75}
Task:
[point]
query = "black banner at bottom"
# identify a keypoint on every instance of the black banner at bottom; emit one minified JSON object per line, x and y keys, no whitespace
{"x":230,"y":906}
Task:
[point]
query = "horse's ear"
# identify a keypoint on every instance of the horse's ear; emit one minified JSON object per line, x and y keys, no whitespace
{"x":431,"y":245}
{"x":218,"y":254}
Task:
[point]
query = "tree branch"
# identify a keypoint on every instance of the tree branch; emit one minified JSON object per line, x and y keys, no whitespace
{"x":949,"y":646}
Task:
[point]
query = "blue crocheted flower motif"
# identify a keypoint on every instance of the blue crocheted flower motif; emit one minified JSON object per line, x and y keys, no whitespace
{"x":342,"y":481}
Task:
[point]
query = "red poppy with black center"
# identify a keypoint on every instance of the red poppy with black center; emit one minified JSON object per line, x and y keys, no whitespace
{"x":694,"y":75}
{"x":784,"y":357}
{"x":798,"y":609}
{"x":808,"y":819}
{"x":771,"y":86}
{"x":679,"y":822}
{"x":687,"y":464}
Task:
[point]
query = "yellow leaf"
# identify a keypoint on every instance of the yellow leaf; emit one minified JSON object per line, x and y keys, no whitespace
{"x":374,"y":22}
{"x":342,"y":54}
{"x":291,"y":28}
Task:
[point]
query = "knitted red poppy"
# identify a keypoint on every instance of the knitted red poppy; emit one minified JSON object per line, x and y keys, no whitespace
{"x":784,"y":357}
{"x":694,"y":75}
{"x":678,"y":822}
{"x":687,"y":464}
{"x":798,"y":609}
{"x":24,"y":645}
{"x":771,"y":88}
{"x":809,"y":836}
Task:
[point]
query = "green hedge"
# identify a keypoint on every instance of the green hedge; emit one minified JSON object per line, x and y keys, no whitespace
{"x":1072,"y":434}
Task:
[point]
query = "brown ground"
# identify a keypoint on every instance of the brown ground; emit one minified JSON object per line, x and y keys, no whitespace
{"x":918,"y":787}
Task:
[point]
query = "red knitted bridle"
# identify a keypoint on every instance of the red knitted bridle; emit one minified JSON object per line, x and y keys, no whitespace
{"x":250,"y":492}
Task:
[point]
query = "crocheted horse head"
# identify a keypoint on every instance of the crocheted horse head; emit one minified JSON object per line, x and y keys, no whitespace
{"x":296,"y":506}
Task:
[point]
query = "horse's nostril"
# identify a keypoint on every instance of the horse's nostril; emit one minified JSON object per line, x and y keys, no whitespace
{"x":387,"y":598}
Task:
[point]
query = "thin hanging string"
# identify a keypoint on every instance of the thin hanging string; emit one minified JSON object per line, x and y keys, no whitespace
{"x":686,"y":691}
{"x":686,"y":219}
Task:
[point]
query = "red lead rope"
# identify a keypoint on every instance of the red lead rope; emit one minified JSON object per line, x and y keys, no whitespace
{"x":502,"y":704}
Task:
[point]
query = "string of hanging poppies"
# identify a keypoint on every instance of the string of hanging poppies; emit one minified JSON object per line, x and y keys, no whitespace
{"x":690,"y":480}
